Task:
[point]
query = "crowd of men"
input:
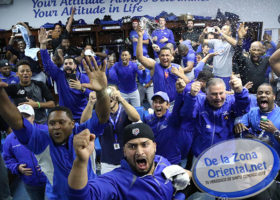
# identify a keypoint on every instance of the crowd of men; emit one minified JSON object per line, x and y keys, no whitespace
{"x":150,"y":112}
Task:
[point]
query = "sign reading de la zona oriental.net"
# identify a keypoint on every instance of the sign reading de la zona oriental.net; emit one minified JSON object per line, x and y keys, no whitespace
{"x":235,"y":169}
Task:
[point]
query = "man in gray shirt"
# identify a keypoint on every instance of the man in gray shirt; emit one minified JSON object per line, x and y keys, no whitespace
{"x":222,"y":63}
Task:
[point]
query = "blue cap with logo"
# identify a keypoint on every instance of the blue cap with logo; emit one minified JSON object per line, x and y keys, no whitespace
{"x":161,"y":94}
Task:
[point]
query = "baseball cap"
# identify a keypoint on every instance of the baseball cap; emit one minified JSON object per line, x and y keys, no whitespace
{"x":4,"y":63}
{"x":27,"y":109}
{"x":137,"y":130}
{"x":161,"y":94}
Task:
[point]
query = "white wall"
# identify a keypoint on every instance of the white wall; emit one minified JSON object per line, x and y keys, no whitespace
{"x":249,"y":10}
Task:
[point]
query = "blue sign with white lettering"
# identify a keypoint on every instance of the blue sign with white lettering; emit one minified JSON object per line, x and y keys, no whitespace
{"x":237,"y":168}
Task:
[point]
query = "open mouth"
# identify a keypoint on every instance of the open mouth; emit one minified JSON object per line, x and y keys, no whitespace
{"x":255,"y":58}
{"x":141,"y":163}
{"x":263,"y":104}
{"x":158,"y":111}
{"x":57,"y":134}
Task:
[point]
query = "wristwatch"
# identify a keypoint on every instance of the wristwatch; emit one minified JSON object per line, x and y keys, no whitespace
{"x":277,"y":133}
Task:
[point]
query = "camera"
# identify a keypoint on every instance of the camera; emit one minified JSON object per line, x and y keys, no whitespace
{"x":89,"y":52}
{"x":211,"y":29}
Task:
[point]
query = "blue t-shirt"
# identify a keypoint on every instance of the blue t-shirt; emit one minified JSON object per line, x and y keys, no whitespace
{"x":164,"y":80}
{"x":125,"y":76}
{"x":133,"y":34}
{"x":160,"y":34}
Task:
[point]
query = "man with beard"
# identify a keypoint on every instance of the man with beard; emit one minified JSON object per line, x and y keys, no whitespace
{"x":191,"y":34}
{"x":65,"y":49}
{"x":54,"y":148}
{"x":69,"y":81}
{"x":121,"y":114}
{"x":253,"y":68}
{"x":266,"y":107}
{"x":123,"y":74}
{"x":6,"y":74}
{"x":31,"y":92}
{"x":164,"y":74}
{"x":141,"y":175}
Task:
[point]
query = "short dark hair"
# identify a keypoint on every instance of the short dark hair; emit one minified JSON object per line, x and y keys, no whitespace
{"x":267,"y":84}
{"x":205,"y":44}
{"x":71,"y":57}
{"x":22,"y":62}
{"x":127,"y":49}
{"x":64,"y":37}
{"x":61,"y":108}
{"x":164,"y":48}
{"x":205,"y":75}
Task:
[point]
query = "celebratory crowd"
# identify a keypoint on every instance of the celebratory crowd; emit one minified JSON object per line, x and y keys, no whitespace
{"x":153,"y":107}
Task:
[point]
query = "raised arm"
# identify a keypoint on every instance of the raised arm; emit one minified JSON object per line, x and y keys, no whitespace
{"x":84,"y":145}
{"x":98,"y":83}
{"x":201,"y":38}
{"x":228,"y":38}
{"x":274,"y":61}
{"x":129,"y":109}
{"x":242,"y":32}
{"x":70,"y":21}
{"x":146,"y":62}
{"x":8,"y":110}
{"x":87,"y":112}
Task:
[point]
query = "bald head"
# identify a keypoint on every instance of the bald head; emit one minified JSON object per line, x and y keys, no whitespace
{"x":256,"y":44}
{"x":256,"y":51}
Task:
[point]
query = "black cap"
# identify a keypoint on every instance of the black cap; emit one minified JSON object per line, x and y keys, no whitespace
{"x":4,"y":63}
{"x":137,"y":130}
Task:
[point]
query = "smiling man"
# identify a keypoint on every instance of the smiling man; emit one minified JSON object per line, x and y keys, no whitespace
{"x":214,"y":113}
{"x":69,"y":81}
{"x":123,"y":74}
{"x":139,"y":177}
{"x":31,"y":92}
{"x":254,"y":68}
{"x":165,"y":132}
{"x":266,"y":107}
{"x":163,"y":74}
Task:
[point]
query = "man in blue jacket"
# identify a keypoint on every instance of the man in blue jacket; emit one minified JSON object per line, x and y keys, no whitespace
{"x":214,"y":113}
{"x":264,"y":130}
{"x":139,"y":177}
{"x":54,"y":148}
{"x":69,"y":81}
{"x":21,"y":161}
{"x":166,"y":132}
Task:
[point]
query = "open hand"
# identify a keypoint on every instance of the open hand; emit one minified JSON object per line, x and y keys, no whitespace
{"x":96,"y":74}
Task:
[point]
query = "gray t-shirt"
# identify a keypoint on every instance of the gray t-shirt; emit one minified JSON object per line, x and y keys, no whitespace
{"x":222,"y":63}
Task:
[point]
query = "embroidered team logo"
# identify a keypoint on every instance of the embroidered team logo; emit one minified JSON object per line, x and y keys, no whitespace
{"x":166,"y":74}
{"x":135,"y":131}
